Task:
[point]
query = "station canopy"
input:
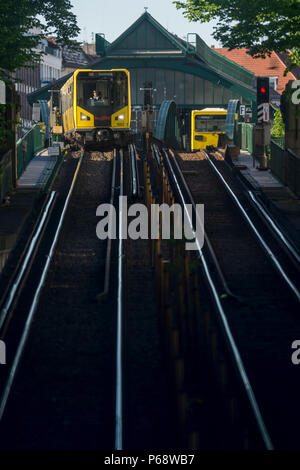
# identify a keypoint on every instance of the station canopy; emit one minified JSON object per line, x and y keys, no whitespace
{"x":187,"y":70}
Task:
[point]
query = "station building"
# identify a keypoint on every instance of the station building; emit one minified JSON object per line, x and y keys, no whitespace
{"x":188,"y":71}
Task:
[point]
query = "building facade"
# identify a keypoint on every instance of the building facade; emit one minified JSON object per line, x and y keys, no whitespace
{"x":272,"y":66}
{"x":186,"y":71}
{"x":33,"y":77}
{"x":30,"y":80}
{"x":77,"y":59}
{"x":51,"y":63}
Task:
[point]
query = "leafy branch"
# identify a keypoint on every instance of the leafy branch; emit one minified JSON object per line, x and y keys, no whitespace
{"x":261,"y":26}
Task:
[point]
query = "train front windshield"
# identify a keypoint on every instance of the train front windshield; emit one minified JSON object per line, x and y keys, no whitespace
{"x":210,"y":123}
{"x":102,"y":93}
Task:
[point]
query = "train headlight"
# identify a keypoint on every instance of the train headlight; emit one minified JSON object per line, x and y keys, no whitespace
{"x":84,"y":117}
{"x":121,"y":117}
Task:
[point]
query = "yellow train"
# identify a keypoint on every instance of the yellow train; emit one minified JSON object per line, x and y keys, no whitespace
{"x":96,"y":107}
{"x":207,"y":127}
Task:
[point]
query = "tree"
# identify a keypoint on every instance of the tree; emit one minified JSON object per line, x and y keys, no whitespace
{"x":278,"y":129}
{"x":23,"y":23}
{"x":261,"y":26}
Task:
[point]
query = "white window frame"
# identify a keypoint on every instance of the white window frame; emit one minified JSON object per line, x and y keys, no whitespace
{"x":274,"y":81}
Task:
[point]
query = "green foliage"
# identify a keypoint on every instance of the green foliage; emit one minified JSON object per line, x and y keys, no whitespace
{"x":278,"y":126}
{"x":23,"y":23}
{"x":261,"y":26}
{"x":6,"y":128}
{"x":4,"y":131}
{"x":293,"y":60}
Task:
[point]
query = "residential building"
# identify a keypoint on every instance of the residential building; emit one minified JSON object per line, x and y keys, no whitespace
{"x":30,"y":81}
{"x":33,"y":77}
{"x":89,"y":48}
{"x":272,"y":66}
{"x":51,"y":63}
{"x":73,"y":59}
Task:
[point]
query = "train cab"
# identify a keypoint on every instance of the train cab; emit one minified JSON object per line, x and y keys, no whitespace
{"x":207,"y":127}
{"x":96,"y":106}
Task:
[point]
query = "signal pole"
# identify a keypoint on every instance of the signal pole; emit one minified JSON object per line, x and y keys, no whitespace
{"x":262,"y":128}
{"x":147,"y":113}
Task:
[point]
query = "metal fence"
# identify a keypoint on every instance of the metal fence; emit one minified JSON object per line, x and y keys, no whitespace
{"x":279,"y":141}
{"x":5,"y":174}
{"x":293,"y":172}
{"x":218,"y":61}
{"x":276,"y":161}
{"x":285,"y":165}
{"x":27,"y":147}
{"x":282,"y":162}
{"x":245,"y":136}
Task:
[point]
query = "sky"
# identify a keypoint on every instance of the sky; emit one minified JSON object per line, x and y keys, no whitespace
{"x":113,"y":17}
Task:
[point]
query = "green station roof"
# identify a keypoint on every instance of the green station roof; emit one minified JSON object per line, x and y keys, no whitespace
{"x":146,"y":43}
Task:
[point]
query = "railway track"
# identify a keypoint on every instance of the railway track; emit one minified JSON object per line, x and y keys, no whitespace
{"x":51,"y":379}
{"x":69,"y":381}
{"x":253,"y":291}
{"x":150,"y":412}
{"x":80,"y":322}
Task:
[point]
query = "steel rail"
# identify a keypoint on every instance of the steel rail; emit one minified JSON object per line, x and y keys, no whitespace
{"x":17,"y":357}
{"x":234,"y":349}
{"x":134,"y":172}
{"x":14,"y":289}
{"x":275,"y":227}
{"x":207,"y":241}
{"x":119,"y":344}
{"x":255,"y":231}
{"x":105,"y":291}
{"x":156,"y":153}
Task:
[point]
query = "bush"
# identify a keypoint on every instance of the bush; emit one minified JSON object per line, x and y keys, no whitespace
{"x":278,"y":126}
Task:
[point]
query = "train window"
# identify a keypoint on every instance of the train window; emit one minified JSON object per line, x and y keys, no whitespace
{"x":210,"y":123}
{"x":120,"y":90}
{"x":101,"y":91}
{"x":93,"y":93}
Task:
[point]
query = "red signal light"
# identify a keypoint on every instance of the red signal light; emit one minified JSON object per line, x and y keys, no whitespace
{"x":263,"y":90}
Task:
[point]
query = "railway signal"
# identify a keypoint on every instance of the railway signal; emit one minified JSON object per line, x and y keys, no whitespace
{"x":262,"y":129}
{"x":263,"y":98}
{"x":147,"y":113}
{"x":263,"y":112}
{"x":263,"y":90}
{"x":148,"y":94}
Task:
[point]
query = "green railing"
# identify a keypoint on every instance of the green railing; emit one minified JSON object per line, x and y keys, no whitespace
{"x":218,"y":61}
{"x":276,"y":162}
{"x":27,"y":147}
{"x":167,"y":126}
{"x":245,"y":136}
{"x":5,"y":175}
{"x":293,"y":172}
{"x":285,"y":165}
{"x":279,"y":141}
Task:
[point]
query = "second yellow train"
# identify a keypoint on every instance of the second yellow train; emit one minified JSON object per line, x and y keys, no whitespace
{"x":207,"y":128}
